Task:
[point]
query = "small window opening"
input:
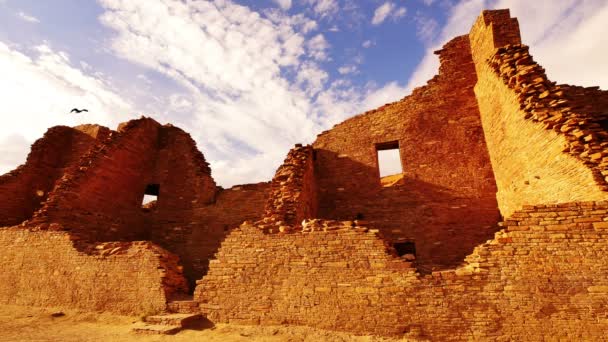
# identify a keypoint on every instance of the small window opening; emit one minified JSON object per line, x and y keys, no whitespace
{"x":406,"y":250}
{"x":359,"y":216}
{"x":150,"y":194}
{"x":389,"y":163}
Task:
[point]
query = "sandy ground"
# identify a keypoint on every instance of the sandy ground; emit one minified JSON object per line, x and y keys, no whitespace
{"x":36,"y":324}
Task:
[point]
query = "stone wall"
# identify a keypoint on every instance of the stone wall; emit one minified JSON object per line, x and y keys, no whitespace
{"x":90,"y":181}
{"x":27,"y":187}
{"x":101,"y":199}
{"x":196,"y":236}
{"x":293,"y":194}
{"x":546,"y":141}
{"x":447,"y":203}
{"x":55,"y":269}
{"x":545,"y":275}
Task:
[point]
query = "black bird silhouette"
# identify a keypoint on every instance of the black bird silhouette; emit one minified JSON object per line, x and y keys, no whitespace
{"x":78,"y":110}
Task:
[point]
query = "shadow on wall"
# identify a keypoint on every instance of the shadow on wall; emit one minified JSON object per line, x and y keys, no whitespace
{"x":25,"y":189}
{"x":444,"y":225}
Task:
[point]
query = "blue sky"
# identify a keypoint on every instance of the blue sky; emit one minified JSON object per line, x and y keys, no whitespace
{"x":248,"y":79}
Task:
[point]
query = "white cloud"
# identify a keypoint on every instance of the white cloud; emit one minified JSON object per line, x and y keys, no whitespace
{"x":26,"y":17}
{"x":367,"y":44}
{"x":348,"y":69}
{"x":558,"y":33}
{"x":38,"y":92}
{"x":323,"y":8}
{"x":428,"y":2}
{"x":245,"y":113}
{"x":317,"y":47}
{"x":284,"y":4}
{"x":426,"y":28}
{"x":387,"y":10}
{"x":14,"y":149}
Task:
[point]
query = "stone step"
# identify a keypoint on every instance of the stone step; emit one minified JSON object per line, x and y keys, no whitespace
{"x":183,"y":306}
{"x":155,"y":329}
{"x":176,"y":319}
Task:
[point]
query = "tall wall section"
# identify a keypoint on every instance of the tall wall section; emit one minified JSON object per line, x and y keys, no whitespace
{"x":545,"y":276}
{"x":447,"y":203}
{"x":27,"y":187}
{"x":101,"y":199}
{"x":546,"y":141}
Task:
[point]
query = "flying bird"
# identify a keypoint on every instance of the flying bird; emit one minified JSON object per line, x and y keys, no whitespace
{"x":77,"y":111}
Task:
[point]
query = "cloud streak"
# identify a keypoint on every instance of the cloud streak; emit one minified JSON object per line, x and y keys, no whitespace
{"x":387,"y":10}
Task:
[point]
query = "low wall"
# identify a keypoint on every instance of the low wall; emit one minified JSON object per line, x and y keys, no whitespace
{"x":544,"y":275}
{"x":44,"y":268}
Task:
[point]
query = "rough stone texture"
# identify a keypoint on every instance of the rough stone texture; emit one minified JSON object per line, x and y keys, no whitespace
{"x":546,"y":141}
{"x":447,"y":203}
{"x":46,"y":268}
{"x":94,"y":179}
{"x":89,"y":181}
{"x":196,"y":235}
{"x":293,"y":195}
{"x":320,"y":249}
{"x":544,"y":275}
{"x":27,"y":187}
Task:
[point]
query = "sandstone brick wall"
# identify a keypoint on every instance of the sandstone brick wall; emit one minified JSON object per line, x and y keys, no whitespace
{"x":293,"y":195}
{"x":545,"y":275}
{"x":546,"y":141}
{"x":197,"y":236}
{"x":447,"y":204}
{"x":93,"y":181}
{"x":44,"y":268}
{"x":27,"y":187}
{"x":101,"y":199}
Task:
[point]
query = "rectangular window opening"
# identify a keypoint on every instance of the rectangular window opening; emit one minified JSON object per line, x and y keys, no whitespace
{"x":406,"y":250}
{"x":389,"y":163}
{"x":150,"y":195}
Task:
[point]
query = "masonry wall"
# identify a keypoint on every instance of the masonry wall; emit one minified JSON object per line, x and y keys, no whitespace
{"x":545,"y":140}
{"x":293,"y":192}
{"x":196,"y":235}
{"x":101,"y":199}
{"x":27,"y":187}
{"x":544,"y":276}
{"x":44,"y":268}
{"x":93,"y":181}
{"x":447,"y":203}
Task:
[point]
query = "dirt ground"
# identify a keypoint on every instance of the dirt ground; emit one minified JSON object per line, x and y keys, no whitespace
{"x":36,"y":324}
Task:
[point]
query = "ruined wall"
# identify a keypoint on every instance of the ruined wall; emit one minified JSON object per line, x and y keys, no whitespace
{"x":93,"y":181}
{"x":546,"y":141}
{"x":101,"y":199}
{"x":196,"y":236}
{"x":447,"y":203}
{"x":27,"y":187}
{"x":544,"y":276}
{"x":293,"y":194}
{"x":44,"y":268}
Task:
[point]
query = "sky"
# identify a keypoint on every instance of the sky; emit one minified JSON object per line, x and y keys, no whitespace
{"x":248,"y":79}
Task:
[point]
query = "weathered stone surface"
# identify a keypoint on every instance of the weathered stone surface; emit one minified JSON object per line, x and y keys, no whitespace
{"x":489,"y":137}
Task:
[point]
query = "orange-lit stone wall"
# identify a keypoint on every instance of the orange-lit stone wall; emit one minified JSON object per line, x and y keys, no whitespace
{"x":54,"y":269}
{"x":93,"y":181}
{"x":196,"y":235}
{"x":447,"y":203}
{"x":101,"y":199}
{"x":27,"y":187}
{"x":546,"y":141}
{"x":293,"y":195}
{"x":545,"y":276}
